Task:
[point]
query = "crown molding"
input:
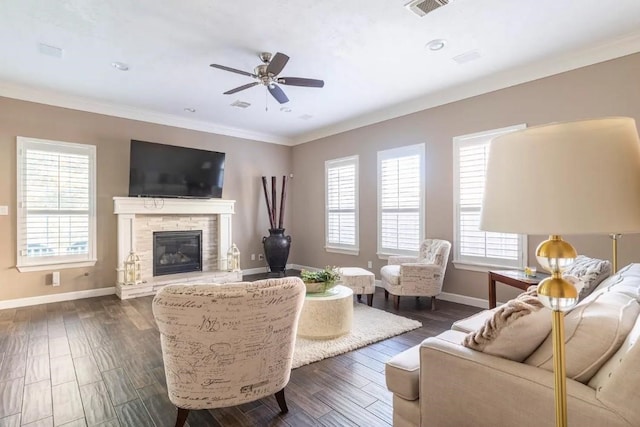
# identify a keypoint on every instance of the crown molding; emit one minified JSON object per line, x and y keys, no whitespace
{"x":620,"y":47}
{"x":58,"y":99}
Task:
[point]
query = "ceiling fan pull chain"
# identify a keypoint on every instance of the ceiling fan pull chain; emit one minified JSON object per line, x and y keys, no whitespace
{"x":266,"y":100}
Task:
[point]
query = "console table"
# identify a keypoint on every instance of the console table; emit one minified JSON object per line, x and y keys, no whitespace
{"x":515,"y":278}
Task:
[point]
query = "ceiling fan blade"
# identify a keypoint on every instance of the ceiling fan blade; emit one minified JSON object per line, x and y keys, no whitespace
{"x":299,"y":81}
{"x":243,"y":87}
{"x":277,"y":63}
{"x":233,"y":70}
{"x":278,"y":94}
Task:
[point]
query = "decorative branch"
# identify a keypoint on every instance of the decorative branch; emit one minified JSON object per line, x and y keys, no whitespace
{"x":272,"y":204}
{"x":273,"y":199}
{"x":266,"y":198}
{"x":283,"y":196}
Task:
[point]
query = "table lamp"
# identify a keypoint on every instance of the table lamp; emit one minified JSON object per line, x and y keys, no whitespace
{"x":580,"y":177}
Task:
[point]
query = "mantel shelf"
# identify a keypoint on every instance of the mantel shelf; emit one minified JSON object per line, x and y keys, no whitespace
{"x":169,"y":206}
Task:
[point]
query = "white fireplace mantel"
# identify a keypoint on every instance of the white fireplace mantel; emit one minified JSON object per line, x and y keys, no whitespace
{"x":127,"y":208}
{"x":154,"y":206}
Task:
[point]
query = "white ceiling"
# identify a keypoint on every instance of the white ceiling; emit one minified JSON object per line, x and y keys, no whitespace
{"x":370,"y":53}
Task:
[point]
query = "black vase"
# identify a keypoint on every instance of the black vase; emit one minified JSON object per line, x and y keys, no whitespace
{"x":276,"y":250}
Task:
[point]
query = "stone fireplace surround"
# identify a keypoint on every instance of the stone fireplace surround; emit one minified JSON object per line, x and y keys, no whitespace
{"x":139,"y":217}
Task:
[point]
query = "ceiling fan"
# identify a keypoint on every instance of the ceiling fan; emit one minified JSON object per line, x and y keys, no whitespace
{"x":267,"y":75}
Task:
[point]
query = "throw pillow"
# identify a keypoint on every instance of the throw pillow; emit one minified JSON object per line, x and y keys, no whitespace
{"x":515,"y":330}
{"x":590,"y":271}
{"x":594,"y":330}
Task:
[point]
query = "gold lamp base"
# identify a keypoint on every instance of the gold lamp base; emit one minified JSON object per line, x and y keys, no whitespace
{"x":555,"y":255}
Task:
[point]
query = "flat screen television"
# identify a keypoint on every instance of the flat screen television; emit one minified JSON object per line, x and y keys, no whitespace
{"x":159,"y":170}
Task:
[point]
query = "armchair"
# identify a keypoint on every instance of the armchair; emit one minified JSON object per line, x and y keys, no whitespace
{"x":417,"y":276}
{"x":224,"y":345}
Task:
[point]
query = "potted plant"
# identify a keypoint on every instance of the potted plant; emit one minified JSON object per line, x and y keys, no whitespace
{"x":320,"y":281}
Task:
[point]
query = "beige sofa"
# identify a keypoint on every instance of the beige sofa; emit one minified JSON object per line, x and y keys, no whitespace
{"x":443,"y":383}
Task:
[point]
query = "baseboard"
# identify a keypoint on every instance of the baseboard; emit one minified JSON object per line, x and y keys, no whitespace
{"x":65,"y":296}
{"x":302,"y":267}
{"x":463,"y":299}
{"x":457,"y":298}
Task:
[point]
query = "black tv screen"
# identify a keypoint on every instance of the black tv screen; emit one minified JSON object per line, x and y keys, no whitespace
{"x":159,"y":170}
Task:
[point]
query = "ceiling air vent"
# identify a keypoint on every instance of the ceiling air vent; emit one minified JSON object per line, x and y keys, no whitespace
{"x":240,"y":104}
{"x":422,"y":7}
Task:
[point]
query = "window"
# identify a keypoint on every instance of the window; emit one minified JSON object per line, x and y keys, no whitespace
{"x":56,"y":204}
{"x":400,"y":200}
{"x":341,"y":179}
{"x":471,"y":245}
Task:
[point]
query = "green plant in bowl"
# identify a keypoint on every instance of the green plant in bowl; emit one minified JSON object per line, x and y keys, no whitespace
{"x":320,"y":281}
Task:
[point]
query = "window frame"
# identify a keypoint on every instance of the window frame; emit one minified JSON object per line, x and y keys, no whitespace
{"x":466,"y":262}
{"x":404,"y":151}
{"x":25,"y":263}
{"x":342,"y":248}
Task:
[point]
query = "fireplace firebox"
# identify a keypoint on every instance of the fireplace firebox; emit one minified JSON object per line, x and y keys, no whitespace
{"x":177,"y":252}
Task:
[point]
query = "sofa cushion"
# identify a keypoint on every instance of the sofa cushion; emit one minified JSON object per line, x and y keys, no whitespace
{"x":515,"y":330}
{"x":627,"y":280}
{"x":590,"y":271}
{"x":402,"y":373}
{"x":594,"y":330}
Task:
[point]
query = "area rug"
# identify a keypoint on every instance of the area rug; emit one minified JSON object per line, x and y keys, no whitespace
{"x":369,"y":325}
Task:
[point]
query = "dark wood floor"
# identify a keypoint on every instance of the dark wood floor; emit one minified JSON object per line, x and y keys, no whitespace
{"x":98,"y":361}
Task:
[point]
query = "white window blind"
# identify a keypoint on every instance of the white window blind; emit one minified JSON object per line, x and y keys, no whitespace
{"x":471,"y":245}
{"x":56,"y":203}
{"x":400,"y":200}
{"x":341,"y":177}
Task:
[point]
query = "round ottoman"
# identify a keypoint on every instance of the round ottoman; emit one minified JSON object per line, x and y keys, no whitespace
{"x":326,"y":316}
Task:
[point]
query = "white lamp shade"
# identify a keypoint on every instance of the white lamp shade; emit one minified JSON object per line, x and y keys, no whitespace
{"x":579,"y":177}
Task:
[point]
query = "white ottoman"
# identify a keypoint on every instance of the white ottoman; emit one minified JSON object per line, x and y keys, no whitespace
{"x":327,"y":316}
{"x":360,"y":281}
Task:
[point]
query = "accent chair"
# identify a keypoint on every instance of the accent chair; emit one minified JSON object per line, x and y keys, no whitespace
{"x":224,"y":345}
{"x":417,"y":276}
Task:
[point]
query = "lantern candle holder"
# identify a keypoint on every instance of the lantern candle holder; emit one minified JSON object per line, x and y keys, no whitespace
{"x":132,"y":269}
{"x":233,"y":258}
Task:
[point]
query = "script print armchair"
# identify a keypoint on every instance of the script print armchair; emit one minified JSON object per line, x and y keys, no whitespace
{"x":417,"y":276}
{"x":224,"y":345}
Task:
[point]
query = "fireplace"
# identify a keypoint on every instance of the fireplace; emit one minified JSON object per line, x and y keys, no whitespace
{"x":177,"y":252}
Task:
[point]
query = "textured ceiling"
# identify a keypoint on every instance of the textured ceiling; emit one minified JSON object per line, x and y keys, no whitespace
{"x":370,"y":53}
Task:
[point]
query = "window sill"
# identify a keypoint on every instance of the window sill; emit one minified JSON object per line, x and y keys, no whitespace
{"x":482,"y":268}
{"x":54,"y":266}
{"x":343,"y":251}
{"x":386,"y":255}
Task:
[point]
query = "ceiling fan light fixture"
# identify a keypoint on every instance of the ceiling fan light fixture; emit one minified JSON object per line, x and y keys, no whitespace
{"x":436,"y":45}
{"x":267,"y":73}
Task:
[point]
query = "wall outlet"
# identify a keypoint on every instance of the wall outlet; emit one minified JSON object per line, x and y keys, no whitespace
{"x":4,"y":210}
{"x":369,"y":264}
{"x":260,"y":257}
{"x":253,"y":257}
{"x":55,"y":278}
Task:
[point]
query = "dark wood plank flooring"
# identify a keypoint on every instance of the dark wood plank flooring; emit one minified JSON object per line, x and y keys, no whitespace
{"x":98,"y":362}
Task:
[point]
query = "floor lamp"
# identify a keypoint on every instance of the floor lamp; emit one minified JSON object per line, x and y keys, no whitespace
{"x":579,"y":177}
{"x":614,"y":242}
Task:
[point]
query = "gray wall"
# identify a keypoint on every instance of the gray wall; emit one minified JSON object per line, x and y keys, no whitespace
{"x":246,"y":162}
{"x":606,"y":89}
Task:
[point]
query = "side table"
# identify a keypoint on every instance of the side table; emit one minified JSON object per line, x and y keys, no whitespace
{"x":515,"y":278}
